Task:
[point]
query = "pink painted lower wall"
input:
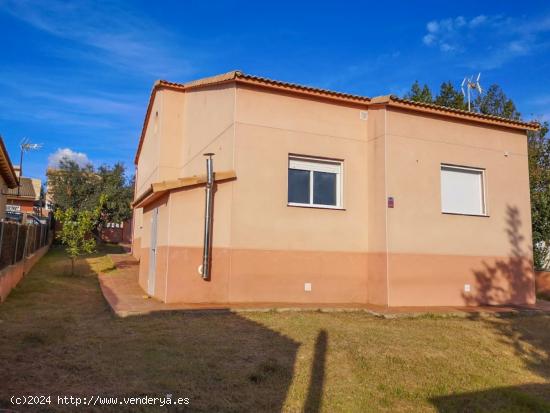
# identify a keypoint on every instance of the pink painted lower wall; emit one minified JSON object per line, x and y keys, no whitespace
{"x":11,"y":275}
{"x":440,"y":280}
{"x":377,"y":291}
{"x":241,"y":275}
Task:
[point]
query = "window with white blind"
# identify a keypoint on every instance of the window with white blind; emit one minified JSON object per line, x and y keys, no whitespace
{"x":314,"y":182}
{"x":462,"y":190}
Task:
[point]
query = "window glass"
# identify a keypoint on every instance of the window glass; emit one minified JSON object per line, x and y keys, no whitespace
{"x":298,"y":186}
{"x":314,"y":182}
{"x":324,"y":188}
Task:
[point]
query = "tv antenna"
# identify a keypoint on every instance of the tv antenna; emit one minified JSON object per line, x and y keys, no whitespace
{"x":26,"y":145}
{"x":471,"y":85}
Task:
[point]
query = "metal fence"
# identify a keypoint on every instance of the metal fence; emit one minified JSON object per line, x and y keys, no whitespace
{"x":20,"y":240}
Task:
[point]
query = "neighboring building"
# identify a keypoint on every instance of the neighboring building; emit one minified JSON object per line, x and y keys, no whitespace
{"x":25,"y":197}
{"x":117,"y":232}
{"x":8,"y":177}
{"x":335,"y":198}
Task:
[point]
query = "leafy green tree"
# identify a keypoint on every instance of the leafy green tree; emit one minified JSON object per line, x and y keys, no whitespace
{"x":539,"y":179}
{"x":419,"y":94}
{"x":76,"y":187}
{"x":118,"y":193}
{"x":73,"y":186}
{"x":495,"y":102}
{"x":76,"y":230}
{"x":450,"y":97}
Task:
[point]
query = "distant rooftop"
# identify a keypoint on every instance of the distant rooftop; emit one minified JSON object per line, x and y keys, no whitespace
{"x":30,"y":189}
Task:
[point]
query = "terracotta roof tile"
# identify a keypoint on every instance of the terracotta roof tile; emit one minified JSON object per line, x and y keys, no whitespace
{"x":238,"y":76}
{"x":464,"y":113}
{"x":27,"y":190}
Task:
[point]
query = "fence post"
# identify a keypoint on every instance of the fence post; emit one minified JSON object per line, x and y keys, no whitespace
{"x":1,"y":241}
{"x":26,"y":245}
{"x":16,"y":245}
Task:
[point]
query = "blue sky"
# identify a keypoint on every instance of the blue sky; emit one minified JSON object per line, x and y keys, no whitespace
{"x":76,"y":76}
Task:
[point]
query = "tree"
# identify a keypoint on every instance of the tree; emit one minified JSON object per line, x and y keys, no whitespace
{"x":76,"y":230}
{"x":118,"y":193}
{"x":419,"y":94}
{"x":73,"y":186}
{"x":495,"y":102}
{"x":539,"y":180}
{"x":450,"y":97}
{"x":76,"y":187}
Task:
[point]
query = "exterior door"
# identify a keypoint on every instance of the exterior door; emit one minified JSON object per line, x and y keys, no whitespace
{"x":153,"y":253}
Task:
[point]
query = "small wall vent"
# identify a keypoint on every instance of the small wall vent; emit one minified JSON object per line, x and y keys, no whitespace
{"x":363,"y":115}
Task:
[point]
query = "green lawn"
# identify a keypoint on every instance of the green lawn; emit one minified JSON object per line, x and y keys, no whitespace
{"x":58,"y":337}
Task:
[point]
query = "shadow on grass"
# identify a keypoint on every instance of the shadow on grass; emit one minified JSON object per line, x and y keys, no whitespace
{"x":509,"y":280}
{"x":60,"y":338}
{"x":316,"y":383}
{"x":514,"y":399}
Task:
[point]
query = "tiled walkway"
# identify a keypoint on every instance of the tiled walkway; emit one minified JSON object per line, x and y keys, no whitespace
{"x":124,"y":295}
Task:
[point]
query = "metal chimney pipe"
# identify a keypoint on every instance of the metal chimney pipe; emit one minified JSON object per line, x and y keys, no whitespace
{"x":208,"y":214}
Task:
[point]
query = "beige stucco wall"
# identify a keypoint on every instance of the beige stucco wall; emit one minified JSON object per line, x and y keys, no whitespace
{"x":208,"y":126}
{"x":377,"y":212}
{"x":264,"y":250}
{"x":190,"y":125}
{"x":433,"y":255}
{"x":147,"y":168}
{"x":137,"y":229}
{"x":270,"y":127}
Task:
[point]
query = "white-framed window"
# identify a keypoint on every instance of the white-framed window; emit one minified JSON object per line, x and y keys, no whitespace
{"x":463,"y":190}
{"x":314,"y":182}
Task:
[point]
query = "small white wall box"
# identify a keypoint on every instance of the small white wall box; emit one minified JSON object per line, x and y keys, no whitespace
{"x":363,"y":115}
{"x":307,"y":286}
{"x":467,"y":288}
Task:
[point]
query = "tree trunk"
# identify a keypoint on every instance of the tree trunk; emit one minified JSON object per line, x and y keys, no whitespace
{"x":72,"y":266}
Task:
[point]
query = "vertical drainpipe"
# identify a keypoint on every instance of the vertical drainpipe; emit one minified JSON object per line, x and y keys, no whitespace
{"x":208,"y":213}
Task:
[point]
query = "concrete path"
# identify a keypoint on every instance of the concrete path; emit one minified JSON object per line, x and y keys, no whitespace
{"x":121,"y":290}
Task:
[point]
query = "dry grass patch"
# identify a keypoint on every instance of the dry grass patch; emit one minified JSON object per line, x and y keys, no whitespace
{"x":59,"y":337}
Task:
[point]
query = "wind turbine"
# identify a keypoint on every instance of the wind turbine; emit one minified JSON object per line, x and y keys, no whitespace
{"x":471,"y":85}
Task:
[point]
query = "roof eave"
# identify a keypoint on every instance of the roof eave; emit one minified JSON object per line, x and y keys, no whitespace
{"x":393,"y":101}
{"x":7,"y":171}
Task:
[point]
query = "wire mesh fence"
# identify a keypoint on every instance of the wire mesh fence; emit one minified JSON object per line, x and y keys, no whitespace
{"x":18,"y":241}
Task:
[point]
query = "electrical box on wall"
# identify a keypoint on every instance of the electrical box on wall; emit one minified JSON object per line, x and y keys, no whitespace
{"x":467,"y":288}
{"x":391,"y":202}
{"x":307,"y":286}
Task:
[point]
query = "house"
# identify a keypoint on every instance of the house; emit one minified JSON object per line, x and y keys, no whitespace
{"x":8,"y":177}
{"x":25,"y":197}
{"x":327,"y":197}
